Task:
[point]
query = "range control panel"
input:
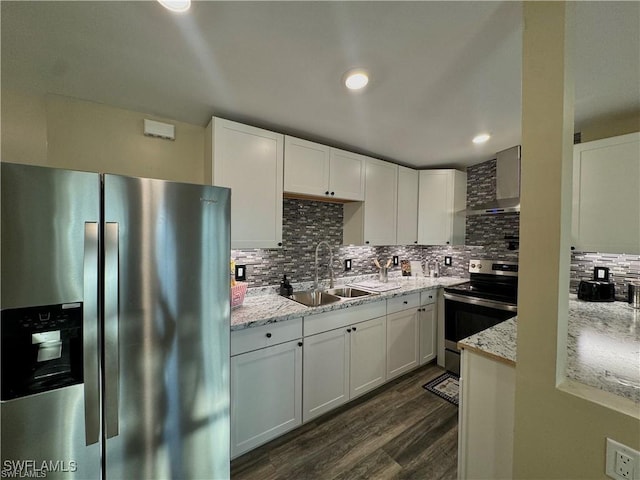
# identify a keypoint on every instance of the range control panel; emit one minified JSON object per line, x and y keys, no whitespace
{"x":493,"y":267}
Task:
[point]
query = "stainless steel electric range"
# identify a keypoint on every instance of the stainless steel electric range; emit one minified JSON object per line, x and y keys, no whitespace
{"x":488,"y":298}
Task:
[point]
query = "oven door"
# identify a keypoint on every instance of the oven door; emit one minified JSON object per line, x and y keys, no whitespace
{"x":465,"y":316}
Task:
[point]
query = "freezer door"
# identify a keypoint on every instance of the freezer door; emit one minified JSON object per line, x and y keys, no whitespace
{"x":44,"y":211}
{"x":49,"y":248}
{"x":167,"y":248}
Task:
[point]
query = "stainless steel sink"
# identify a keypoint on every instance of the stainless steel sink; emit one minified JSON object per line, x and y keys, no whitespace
{"x":349,"y":292}
{"x":313,"y":298}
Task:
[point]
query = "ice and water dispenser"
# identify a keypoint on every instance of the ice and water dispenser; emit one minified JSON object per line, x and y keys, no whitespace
{"x":41,"y":349}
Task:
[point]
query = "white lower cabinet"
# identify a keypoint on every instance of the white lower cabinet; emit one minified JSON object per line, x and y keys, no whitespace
{"x":326,"y":372}
{"x":485,"y":417}
{"x":368,"y":355}
{"x":428,"y":319}
{"x":402,"y":342}
{"x":266,"y":393}
{"x":341,"y":364}
{"x":345,"y":353}
{"x":411,"y":331}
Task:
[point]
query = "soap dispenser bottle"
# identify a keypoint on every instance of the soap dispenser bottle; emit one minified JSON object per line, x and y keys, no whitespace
{"x":285,"y":287}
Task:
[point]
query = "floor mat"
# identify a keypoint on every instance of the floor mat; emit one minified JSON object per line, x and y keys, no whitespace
{"x":446,"y":386}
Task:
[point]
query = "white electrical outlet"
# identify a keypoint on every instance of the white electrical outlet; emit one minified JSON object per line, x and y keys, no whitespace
{"x":623,"y":463}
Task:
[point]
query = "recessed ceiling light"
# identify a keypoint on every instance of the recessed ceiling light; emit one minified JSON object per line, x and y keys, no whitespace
{"x":483,"y":137}
{"x":356,"y":79}
{"x":178,"y":6}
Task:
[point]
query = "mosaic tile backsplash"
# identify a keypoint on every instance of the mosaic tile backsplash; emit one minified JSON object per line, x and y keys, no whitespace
{"x":307,"y":222}
{"x":489,"y":231}
{"x":623,"y":269}
{"x":481,"y":183}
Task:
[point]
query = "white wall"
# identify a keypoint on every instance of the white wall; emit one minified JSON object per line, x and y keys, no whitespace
{"x":67,"y":133}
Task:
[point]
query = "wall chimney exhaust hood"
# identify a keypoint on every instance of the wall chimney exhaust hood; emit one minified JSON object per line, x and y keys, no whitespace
{"x":507,"y":185}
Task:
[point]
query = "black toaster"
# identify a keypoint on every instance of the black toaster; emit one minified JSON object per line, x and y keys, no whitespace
{"x":596,"y":291}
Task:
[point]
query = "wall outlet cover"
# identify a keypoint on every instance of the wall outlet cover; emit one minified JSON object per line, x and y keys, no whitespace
{"x":241,"y":273}
{"x":395,"y":260}
{"x":601,"y":274}
{"x":622,"y":462}
{"x":347,"y":265}
{"x":448,"y":261}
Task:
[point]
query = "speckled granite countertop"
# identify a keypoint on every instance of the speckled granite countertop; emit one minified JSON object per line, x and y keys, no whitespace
{"x":270,"y":307}
{"x":603,"y":346}
{"x":497,"y":342}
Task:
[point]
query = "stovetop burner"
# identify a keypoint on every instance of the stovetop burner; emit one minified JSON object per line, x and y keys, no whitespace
{"x":507,"y":295}
{"x":490,"y":280}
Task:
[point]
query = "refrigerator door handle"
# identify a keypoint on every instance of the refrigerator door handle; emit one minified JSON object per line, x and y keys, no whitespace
{"x":90,"y":335}
{"x":111,"y":355}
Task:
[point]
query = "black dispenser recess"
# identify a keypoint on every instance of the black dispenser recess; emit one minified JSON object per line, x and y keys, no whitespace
{"x":41,"y":349}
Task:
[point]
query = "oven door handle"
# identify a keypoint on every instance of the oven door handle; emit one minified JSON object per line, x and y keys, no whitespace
{"x":509,"y":307}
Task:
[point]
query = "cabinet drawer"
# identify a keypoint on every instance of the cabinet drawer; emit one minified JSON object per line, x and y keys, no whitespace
{"x":265,"y":336}
{"x":404,"y":302}
{"x":430,"y":296}
{"x":323,"y":322}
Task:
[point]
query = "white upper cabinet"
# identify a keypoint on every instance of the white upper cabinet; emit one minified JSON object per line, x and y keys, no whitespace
{"x":606,"y":195}
{"x":347,"y":175}
{"x":407,"y":231}
{"x":321,"y":171}
{"x":441,"y":207}
{"x":374,"y":221}
{"x":306,"y":167}
{"x":249,"y":160}
{"x":380,"y":203}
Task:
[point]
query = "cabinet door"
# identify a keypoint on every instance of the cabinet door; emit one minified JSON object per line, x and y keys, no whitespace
{"x":368,"y":355}
{"x":402,"y":342}
{"x":346,"y":175}
{"x":441,"y":204}
{"x":266,"y":395}
{"x":606,"y":197}
{"x":407,"y":230}
{"x":306,"y":167}
{"x":428,"y":322}
{"x":250,"y":161}
{"x":326,"y":372}
{"x":486,"y":417}
{"x":380,"y":203}
{"x":434,"y":221}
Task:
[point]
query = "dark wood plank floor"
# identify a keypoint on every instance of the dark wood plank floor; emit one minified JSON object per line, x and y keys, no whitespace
{"x":399,"y":431}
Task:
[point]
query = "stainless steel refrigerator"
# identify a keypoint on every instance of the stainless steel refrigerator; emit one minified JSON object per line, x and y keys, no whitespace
{"x":114,"y":328}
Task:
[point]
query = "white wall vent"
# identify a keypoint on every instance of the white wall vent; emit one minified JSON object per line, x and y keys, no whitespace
{"x":159,"y":129}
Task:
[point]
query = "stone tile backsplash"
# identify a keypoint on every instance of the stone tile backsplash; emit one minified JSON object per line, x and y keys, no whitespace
{"x":307,"y":222}
{"x":622,"y":270}
{"x":489,"y":231}
{"x":481,"y":183}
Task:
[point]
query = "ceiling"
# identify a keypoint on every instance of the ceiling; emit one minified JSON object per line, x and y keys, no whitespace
{"x":441,"y":72}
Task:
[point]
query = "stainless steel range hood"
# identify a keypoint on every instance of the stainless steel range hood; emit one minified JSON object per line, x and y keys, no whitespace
{"x":507,"y":185}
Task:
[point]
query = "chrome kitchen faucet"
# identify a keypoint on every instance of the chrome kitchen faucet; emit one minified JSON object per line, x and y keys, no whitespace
{"x":316,"y":283}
